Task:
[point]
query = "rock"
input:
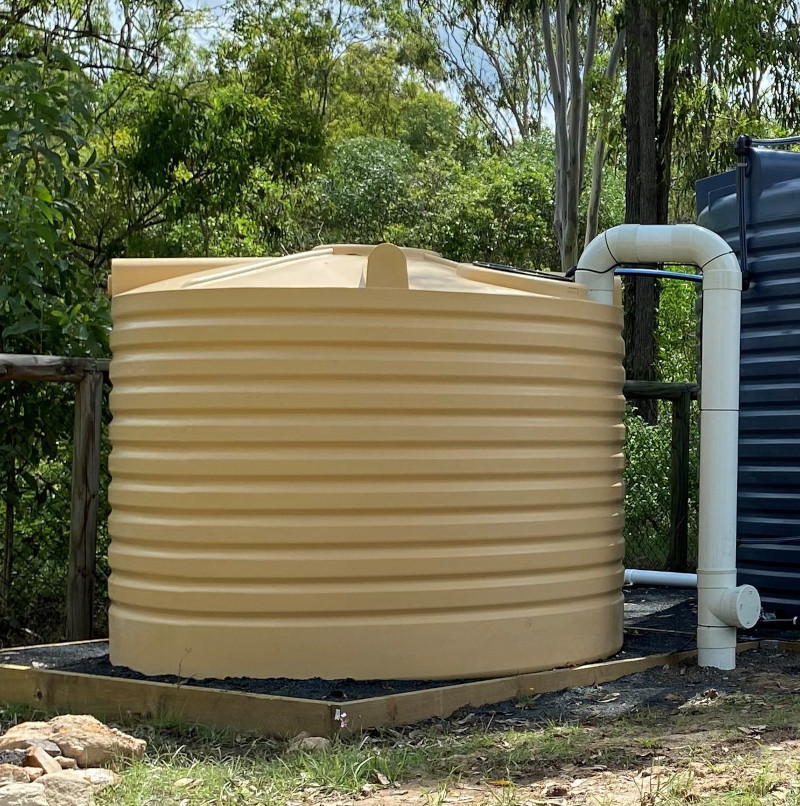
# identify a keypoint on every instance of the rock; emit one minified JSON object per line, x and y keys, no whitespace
{"x":80,"y":737}
{"x":23,"y":795}
{"x":12,"y":774}
{"x":311,"y":744}
{"x":51,"y":748}
{"x":91,"y":743}
{"x":33,"y":773}
{"x":21,"y":736}
{"x":67,"y":763}
{"x":67,"y":789}
{"x":13,"y":756}
{"x":555,"y":790}
{"x":99,"y":777}
{"x":37,"y":757}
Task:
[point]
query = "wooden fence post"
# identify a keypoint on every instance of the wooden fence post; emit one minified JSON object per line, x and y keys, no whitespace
{"x":679,"y":484}
{"x":85,"y":491}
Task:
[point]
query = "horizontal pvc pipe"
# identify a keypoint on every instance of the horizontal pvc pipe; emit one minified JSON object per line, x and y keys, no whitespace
{"x":665,"y":579}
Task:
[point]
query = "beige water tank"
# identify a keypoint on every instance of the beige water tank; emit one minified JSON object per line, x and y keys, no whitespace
{"x":365,"y":463}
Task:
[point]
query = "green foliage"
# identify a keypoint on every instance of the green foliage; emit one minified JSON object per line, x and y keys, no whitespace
{"x":45,"y":165}
{"x":677,"y":335}
{"x":647,"y":489}
{"x":48,"y":304}
{"x":372,"y":95}
{"x":367,"y":189}
{"x":647,"y":447}
{"x":498,"y":208}
{"x":734,"y":64}
{"x":201,"y":148}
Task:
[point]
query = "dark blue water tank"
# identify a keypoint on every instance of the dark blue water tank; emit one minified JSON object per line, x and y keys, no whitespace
{"x":769,"y":421}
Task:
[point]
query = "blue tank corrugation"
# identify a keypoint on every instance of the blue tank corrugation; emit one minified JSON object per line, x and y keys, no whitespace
{"x":769,"y":420}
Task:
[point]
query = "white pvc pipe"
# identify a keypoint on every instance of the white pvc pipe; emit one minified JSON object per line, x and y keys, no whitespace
{"x":666,"y":579}
{"x":721,"y":605}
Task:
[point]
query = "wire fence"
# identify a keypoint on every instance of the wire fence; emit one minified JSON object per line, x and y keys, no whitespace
{"x":652,"y":535}
{"x":36,"y":458}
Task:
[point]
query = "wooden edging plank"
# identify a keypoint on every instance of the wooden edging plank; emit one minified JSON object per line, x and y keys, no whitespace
{"x":404,"y":709}
{"x":399,"y":709}
{"x":783,"y":646}
{"x":114,"y":697}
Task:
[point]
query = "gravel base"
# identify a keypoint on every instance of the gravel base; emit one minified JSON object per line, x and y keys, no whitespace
{"x":657,"y":620}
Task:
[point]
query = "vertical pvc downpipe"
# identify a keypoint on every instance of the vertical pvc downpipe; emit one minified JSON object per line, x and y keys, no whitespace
{"x":721,"y":605}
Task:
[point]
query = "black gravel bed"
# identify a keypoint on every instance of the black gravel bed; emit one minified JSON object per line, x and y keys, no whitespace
{"x":663,"y":688}
{"x":657,"y":620}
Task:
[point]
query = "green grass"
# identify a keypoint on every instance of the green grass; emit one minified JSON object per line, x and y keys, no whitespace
{"x":193,"y":766}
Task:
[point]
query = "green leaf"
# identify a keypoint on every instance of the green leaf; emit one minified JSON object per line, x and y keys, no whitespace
{"x":18,"y":328}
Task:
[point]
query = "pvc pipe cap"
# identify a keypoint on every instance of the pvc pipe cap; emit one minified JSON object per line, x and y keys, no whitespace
{"x":739,"y":607}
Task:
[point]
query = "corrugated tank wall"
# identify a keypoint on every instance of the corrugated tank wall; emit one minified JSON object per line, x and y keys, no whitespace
{"x":768,"y":551}
{"x":364,"y":482}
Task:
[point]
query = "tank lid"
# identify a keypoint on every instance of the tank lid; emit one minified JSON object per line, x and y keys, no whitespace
{"x":334,"y":266}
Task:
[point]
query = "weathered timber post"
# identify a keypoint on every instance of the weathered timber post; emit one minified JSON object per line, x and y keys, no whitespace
{"x":83,"y":520}
{"x":679,"y":485}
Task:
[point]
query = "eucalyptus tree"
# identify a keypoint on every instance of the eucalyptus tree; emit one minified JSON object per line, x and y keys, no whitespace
{"x":494,"y":58}
{"x":521,"y":65}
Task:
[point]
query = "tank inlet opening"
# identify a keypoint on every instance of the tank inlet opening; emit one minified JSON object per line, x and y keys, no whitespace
{"x":722,"y":606}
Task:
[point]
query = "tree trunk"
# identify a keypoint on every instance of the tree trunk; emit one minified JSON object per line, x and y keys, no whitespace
{"x":599,"y":155}
{"x":642,"y":203}
{"x":569,"y":65}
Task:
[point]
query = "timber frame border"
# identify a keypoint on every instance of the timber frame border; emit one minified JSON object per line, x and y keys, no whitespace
{"x":87,"y":374}
{"x":282,"y":717}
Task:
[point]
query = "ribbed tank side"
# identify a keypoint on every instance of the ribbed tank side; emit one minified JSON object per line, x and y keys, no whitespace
{"x":768,"y":554}
{"x":364,"y":483}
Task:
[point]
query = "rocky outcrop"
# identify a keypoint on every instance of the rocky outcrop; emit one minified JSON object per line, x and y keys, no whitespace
{"x":61,"y":762}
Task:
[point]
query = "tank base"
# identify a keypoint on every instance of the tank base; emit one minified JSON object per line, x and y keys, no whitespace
{"x":492,"y":647}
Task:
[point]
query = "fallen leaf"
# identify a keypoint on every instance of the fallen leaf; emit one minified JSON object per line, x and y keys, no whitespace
{"x":382,"y":779}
